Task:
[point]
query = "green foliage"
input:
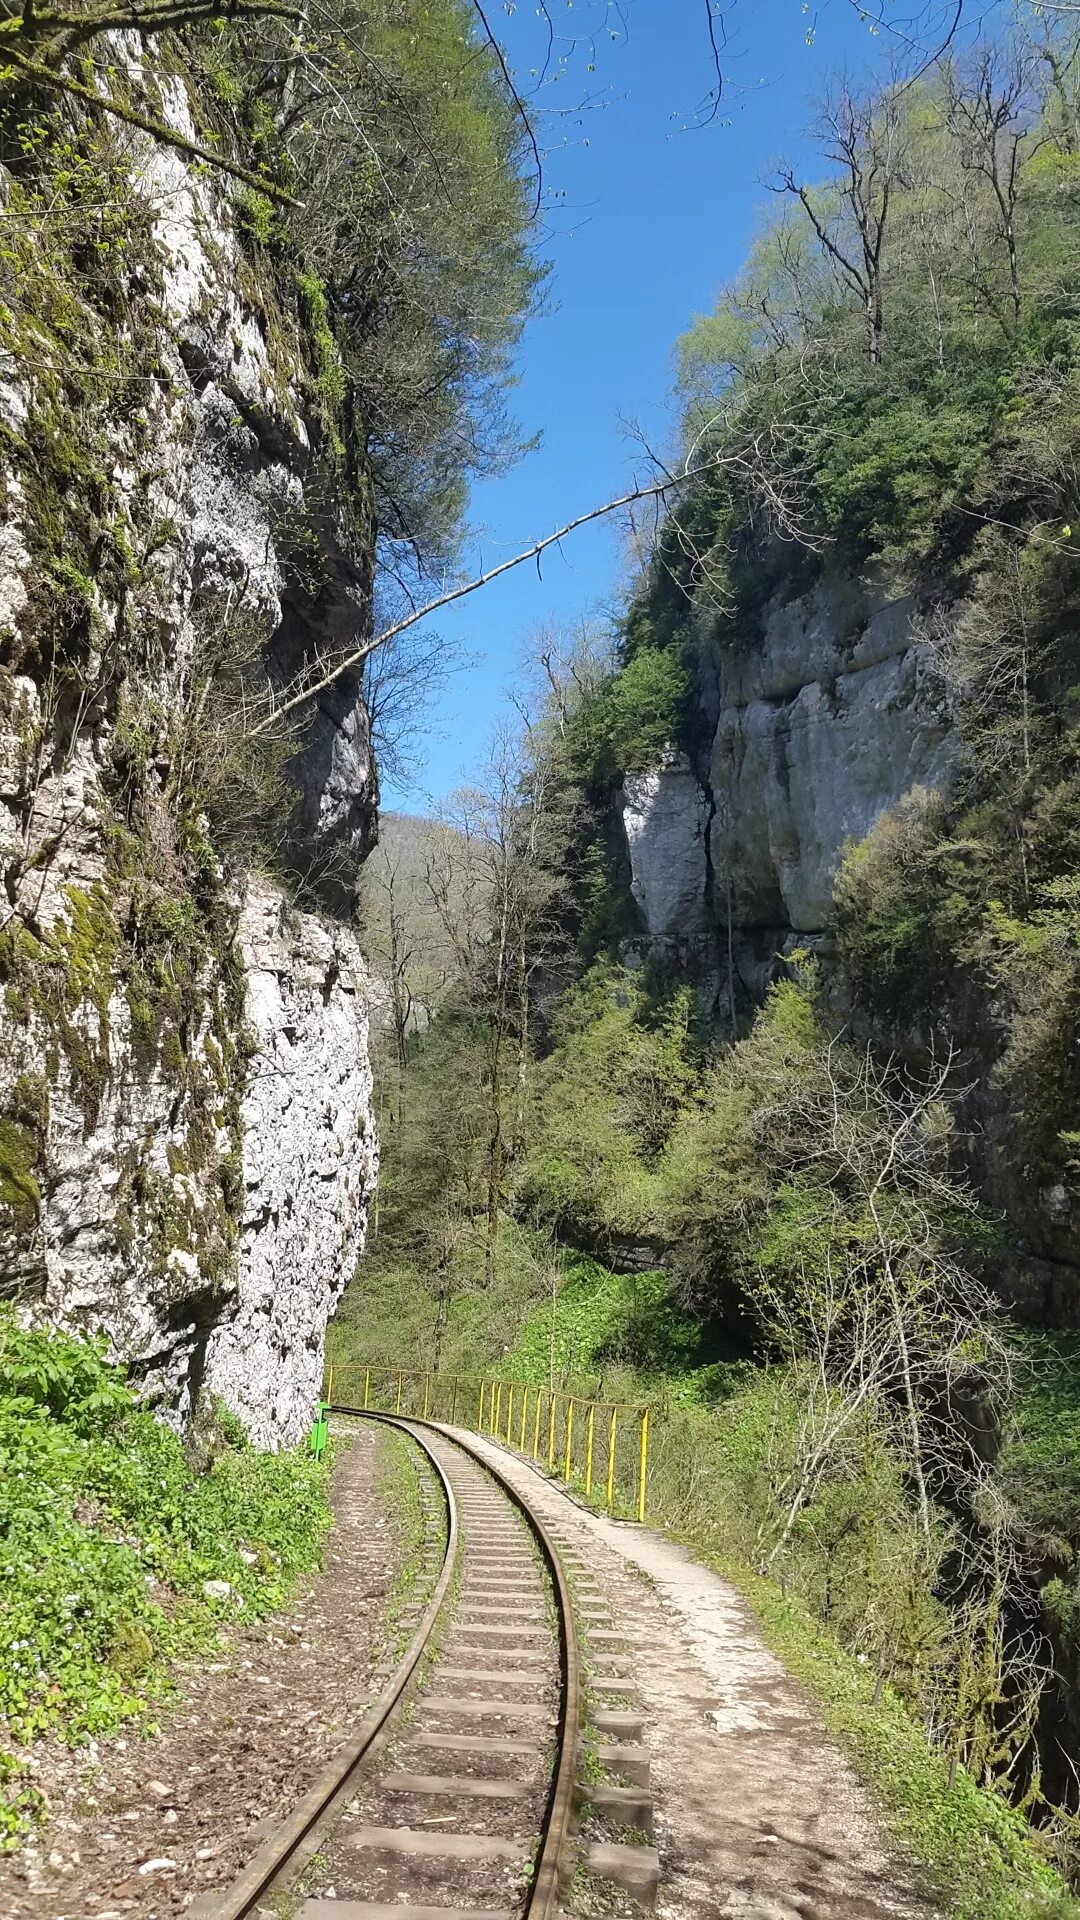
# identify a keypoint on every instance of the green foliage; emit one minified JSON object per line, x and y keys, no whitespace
{"x":411,"y":255}
{"x":732,"y":1148}
{"x":634,"y":714}
{"x":598,"y":1323}
{"x":108,"y":1532}
{"x":891,"y":464}
{"x":1041,"y":1462}
{"x":889,"y":893}
{"x":604,"y":1102}
{"x":330,"y":375}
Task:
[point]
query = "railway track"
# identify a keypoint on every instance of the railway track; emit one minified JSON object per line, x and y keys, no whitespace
{"x":455,"y":1799}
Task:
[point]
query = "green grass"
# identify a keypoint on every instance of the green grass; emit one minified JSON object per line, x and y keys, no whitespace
{"x":110,"y":1530}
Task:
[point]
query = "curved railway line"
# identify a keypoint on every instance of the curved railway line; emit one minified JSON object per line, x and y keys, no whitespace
{"x":457,"y":1796}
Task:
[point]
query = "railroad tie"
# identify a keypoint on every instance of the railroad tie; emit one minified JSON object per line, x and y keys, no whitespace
{"x":635,"y":1869}
{"x":393,"y":1910}
{"x":437,"y":1846}
{"x":477,"y":1743}
{"x":510,"y":1638}
{"x":466,"y":1784}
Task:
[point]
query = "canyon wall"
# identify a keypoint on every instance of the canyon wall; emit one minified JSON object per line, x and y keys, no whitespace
{"x":187,"y":1148}
{"x":825,"y":720}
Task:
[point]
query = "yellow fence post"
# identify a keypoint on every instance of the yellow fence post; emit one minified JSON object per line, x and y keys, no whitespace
{"x":536,"y":1422}
{"x":427,"y":1395}
{"x":498,"y":1410}
{"x":524,"y":1413}
{"x":644,"y":1466}
{"x":397,"y":1409}
{"x":551,"y":1432}
{"x":569,"y":1434}
{"x":480,"y":1412}
{"x":588,"y":1451}
{"x":509,"y":1412}
{"x":367,"y":1384}
{"x":453,"y":1401}
{"x":330,"y":1385}
{"x":611,"y":1458}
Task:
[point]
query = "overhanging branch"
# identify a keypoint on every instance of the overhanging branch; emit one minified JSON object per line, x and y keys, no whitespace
{"x":359,"y":654}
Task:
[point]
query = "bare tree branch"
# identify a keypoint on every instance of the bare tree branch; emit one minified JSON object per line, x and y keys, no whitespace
{"x":358,"y":655}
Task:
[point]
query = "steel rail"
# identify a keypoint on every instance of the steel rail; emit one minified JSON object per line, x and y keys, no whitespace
{"x":287,"y":1846}
{"x":335,"y":1780}
{"x":543,"y":1897}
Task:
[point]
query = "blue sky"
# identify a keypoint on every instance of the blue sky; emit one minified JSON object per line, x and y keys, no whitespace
{"x":645,"y":220}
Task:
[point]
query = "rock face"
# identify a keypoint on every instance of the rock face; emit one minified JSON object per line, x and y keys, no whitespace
{"x":309,"y":1163}
{"x":665,"y":815}
{"x":828,"y":720}
{"x":186,"y":1142}
{"x":837,"y":715}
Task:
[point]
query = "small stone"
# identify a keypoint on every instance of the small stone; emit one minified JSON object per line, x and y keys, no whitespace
{"x":216,"y":1589}
{"x":163,"y":1865}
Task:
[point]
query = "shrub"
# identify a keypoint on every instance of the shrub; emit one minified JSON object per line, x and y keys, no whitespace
{"x":108,"y":1534}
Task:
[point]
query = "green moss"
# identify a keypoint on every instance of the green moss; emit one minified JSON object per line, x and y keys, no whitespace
{"x":20,"y":1192}
{"x":329,"y":372}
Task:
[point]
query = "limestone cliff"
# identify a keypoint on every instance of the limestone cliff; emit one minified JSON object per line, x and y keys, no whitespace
{"x":187,"y":1148}
{"x":830,"y":716}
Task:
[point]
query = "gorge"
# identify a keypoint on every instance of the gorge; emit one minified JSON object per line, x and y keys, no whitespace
{"x":713,"y":1050}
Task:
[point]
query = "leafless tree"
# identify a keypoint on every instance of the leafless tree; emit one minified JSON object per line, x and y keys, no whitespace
{"x":991,"y":111}
{"x":864,"y":139}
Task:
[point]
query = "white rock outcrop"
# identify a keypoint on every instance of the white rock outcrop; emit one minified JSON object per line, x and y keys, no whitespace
{"x":836,"y":715}
{"x":829,"y":718}
{"x":309,"y":1164}
{"x":186,"y":1162}
{"x":665,"y":816}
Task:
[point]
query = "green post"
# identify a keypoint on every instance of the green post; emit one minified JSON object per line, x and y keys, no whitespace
{"x":319,"y":1430}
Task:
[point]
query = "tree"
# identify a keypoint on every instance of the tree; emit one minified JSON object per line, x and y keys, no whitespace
{"x":404,"y":938}
{"x":991,"y":109}
{"x":864,"y":139}
{"x":38,"y":45}
{"x":496,"y":883}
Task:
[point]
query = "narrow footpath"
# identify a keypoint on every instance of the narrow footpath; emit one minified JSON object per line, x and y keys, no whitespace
{"x":757,"y":1814}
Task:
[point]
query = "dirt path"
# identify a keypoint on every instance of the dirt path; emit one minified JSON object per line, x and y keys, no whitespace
{"x":151,"y":1822}
{"x":758,"y":1815}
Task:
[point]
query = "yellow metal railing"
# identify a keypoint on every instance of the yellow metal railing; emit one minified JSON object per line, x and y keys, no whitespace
{"x":599,"y":1446}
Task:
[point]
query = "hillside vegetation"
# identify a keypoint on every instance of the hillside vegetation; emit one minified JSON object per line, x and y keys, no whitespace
{"x":768,"y":1220}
